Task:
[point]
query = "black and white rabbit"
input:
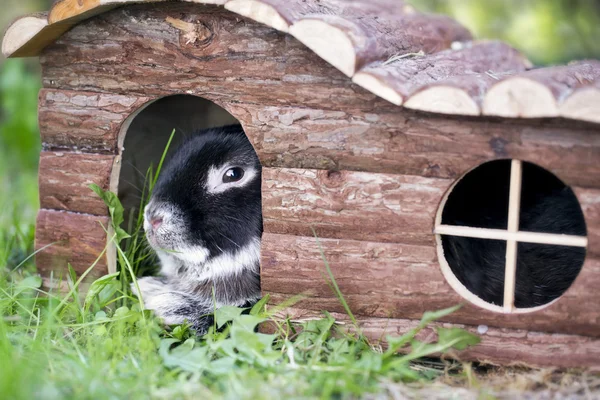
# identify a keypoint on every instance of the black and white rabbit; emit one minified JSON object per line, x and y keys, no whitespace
{"x":204,"y":221}
{"x":544,"y":272}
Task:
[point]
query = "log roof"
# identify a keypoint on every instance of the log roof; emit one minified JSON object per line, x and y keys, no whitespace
{"x":420,"y":61}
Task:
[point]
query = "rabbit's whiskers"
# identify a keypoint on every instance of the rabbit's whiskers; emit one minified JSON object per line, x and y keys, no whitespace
{"x":237,"y":245}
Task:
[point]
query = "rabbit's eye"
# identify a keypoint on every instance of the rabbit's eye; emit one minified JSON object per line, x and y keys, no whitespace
{"x":233,"y":175}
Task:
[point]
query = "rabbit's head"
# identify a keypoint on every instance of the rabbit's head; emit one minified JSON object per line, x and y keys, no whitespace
{"x":204,"y":214}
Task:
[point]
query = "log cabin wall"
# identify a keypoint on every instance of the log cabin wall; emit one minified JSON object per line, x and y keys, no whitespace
{"x":367,"y":175}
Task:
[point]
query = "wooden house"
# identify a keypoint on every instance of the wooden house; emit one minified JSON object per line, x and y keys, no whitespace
{"x":364,"y":114}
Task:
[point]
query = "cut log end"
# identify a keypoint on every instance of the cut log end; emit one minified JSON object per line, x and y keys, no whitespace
{"x":443,"y":100}
{"x":377,"y":87}
{"x":520,"y":97}
{"x":21,"y":32}
{"x":583,"y":105}
{"x":328,"y":42}
{"x":259,"y":12}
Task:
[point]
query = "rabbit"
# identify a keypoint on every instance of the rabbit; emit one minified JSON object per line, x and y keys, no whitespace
{"x":544,"y":272}
{"x":204,"y":221}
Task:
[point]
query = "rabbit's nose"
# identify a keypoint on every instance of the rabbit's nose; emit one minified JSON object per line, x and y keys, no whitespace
{"x":156,"y":222}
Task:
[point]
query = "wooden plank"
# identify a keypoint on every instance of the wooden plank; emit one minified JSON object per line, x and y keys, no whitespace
{"x":394,"y":280}
{"x":498,"y":346}
{"x":84,"y":121}
{"x":397,"y":80}
{"x":351,"y":205}
{"x":64,"y":179}
{"x":78,"y":239}
{"x":501,"y":234}
{"x":538,"y":93}
{"x":75,"y":11}
{"x":514,"y":210}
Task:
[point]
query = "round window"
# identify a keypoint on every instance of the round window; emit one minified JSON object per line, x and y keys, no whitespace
{"x":511,"y":236}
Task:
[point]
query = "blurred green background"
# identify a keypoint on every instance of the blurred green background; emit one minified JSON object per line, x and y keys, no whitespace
{"x":548,"y":31}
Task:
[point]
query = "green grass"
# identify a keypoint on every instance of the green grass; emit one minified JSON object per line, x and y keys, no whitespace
{"x":101,"y":345}
{"x":64,"y":346}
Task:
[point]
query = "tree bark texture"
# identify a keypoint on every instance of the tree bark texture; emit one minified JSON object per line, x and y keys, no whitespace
{"x":70,"y":238}
{"x":400,"y":280}
{"x":65,"y":178}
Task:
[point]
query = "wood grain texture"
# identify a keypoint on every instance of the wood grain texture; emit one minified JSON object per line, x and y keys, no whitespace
{"x":301,"y":113}
{"x":29,"y":35}
{"x":357,"y":34}
{"x":498,"y":346}
{"x":354,"y":39}
{"x":73,"y":11}
{"x":539,"y":93}
{"x":158,"y":53}
{"x":397,"y":80}
{"x":583,"y":104}
{"x":400,"y":280}
{"x":84,"y":121}
{"x":64,"y":179}
{"x":351,"y":205}
{"x":125,"y":61}
{"x":77,"y":239}
{"x":362,"y":138}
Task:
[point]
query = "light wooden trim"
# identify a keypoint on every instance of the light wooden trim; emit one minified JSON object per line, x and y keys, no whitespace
{"x":520,"y":97}
{"x":514,"y":208}
{"x":500,"y":234}
{"x":259,"y":12}
{"x":444,"y":100}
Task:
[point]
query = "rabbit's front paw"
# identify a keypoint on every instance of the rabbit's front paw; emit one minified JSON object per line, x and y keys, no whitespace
{"x":149,"y":286}
{"x":173,"y":307}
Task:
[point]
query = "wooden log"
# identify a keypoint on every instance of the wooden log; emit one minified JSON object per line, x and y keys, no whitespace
{"x":583,"y":104}
{"x":77,"y":239}
{"x":397,"y":80}
{"x":400,"y":280}
{"x":538,"y":93}
{"x":498,"y":346}
{"x":353,"y":40}
{"x":351,"y":205}
{"x":281,"y":14}
{"x":373,"y":140}
{"x":185,"y":67}
{"x":84,"y":121}
{"x":64,"y":179}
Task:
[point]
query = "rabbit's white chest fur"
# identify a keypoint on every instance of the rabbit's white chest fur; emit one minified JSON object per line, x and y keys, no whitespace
{"x":202,"y":267}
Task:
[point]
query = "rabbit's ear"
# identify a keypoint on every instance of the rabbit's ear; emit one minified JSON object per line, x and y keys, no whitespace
{"x":235,"y":129}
